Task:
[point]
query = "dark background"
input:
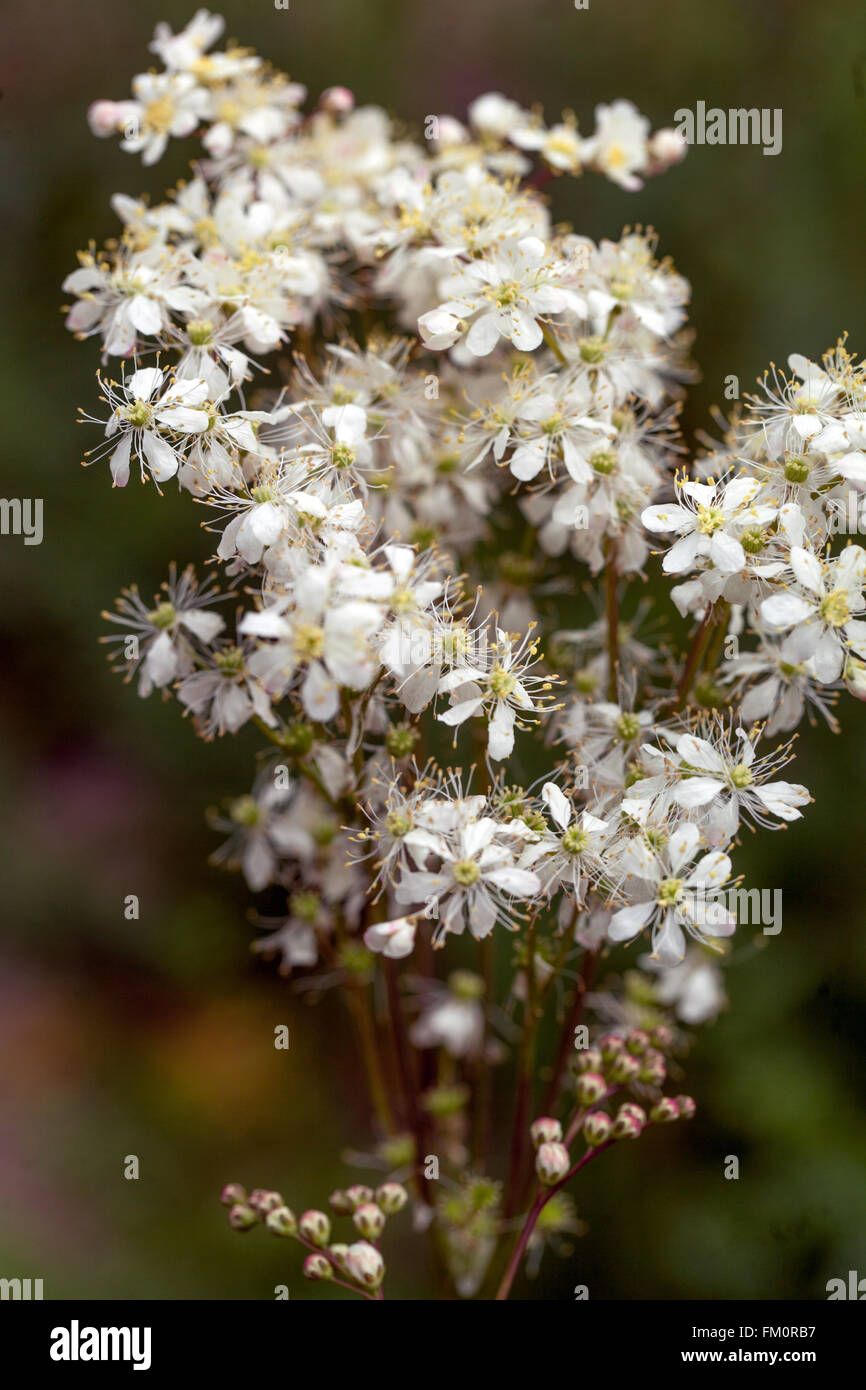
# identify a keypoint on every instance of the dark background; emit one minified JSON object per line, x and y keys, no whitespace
{"x":155,"y":1037}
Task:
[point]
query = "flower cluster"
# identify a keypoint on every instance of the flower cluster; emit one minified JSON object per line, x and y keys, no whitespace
{"x":480,"y":412}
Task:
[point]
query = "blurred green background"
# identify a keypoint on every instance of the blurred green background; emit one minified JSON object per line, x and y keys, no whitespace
{"x":155,"y":1037}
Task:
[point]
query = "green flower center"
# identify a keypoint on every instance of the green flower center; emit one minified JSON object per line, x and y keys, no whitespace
{"x":398,"y":823}
{"x":710,"y":519}
{"x":506,"y":294}
{"x":199,"y":331}
{"x":670,"y":892}
{"x":603,"y":461}
{"x":343,"y":455}
{"x":139,"y":414}
{"x":834,"y":608}
{"x":163,"y":615}
{"x":797,"y":469}
{"x":502,"y":682}
{"x":466,"y":872}
{"x":628,"y":727}
{"x":591,"y":349}
{"x":575,"y":840}
{"x":245,"y":811}
{"x":309,"y":640}
{"x":741,"y":777}
{"x":753,"y":540}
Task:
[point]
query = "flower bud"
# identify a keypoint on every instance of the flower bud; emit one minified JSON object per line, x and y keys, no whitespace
{"x":662,"y":1037}
{"x":369,"y":1220}
{"x":666,"y":147}
{"x":545,"y":1131}
{"x":636,"y":1112}
{"x":318,"y":1267}
{"x":611,"y":1046}
{"x":623,"y":1069}
{"x":597,"y":1128}
{"x":262,"y":1201}
{"x":282,"y":1221}
{"x":590,"y":1088}
{"x":664,"y":1111}
{"x":391,"y":1197}
{"x":242,"y":1217}
{"x":339,"y":101}
{"x":358,"y":1193}
{"x":365,"y":1265}
{"x":105,"y":117}
{"x":686,"y":1107}
{"x":637,"y":1042}
{"x":587,"y":1059}
{"x":315,"y":1227}
{"x":233,"y":1194}
{"x":626,"y":1125}
{"x":552,"y":1163}
{"x":341,"y":1203}
{"x":652,"y":1068}
{"x":338,"y":1253}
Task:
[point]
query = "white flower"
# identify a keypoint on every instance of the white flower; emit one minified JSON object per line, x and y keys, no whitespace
{"x":495,"y":115}
{"x":470,"y":888}
{"x":316,"y":632}
{"x":727,"y":780}
{"x":394,"y":939}
{"x":504,"y":294}
{"x":671,"y":900}
{"x":167,"y":105}
{"x":168,"y":636}
{"x":819,"y":617}
{"x":572,"y":853}
{"x":500,"y":689}
{"x":709,"y":523}
{"x":618,"y":146}
{"x":147,"y":421}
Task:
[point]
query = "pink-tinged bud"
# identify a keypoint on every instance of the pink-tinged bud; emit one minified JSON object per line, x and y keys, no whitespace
{"x":339,"y":101}
{"x":623,"y":1069}
{"x":854,"y":676}
{"x":611,"y":1046}
{"x":282,"y":1222}
{"x":369,"y":1220}
{"x":315,"y":1227}
{"x":666,"y":147}
{"x":262,"y":1201}
{"x":318,"y":1267}
{"x":635,"y":1112}
{"x":552,"y":1163}
{"x":590,"y":1088}
{"x":597,"y":1128}
{"x":686,"y":1107}
{"x":588,"y":1059}
{"x":341,"y":1203}
{"x":450,"y":132}
{"x":653,"y":1069}
{"x":662,"y":1037}
{"x":637,"y":1042}
{"x":391,"y":1197}
{"x":338,"y":1253}
{"x":358,"y":1194}
{"x":545,"y":1131}
{"x":365,"y":1265}
{"x":626,"y":1125}
{"x":242,"y":1218}
{"x":233,"y":1194}
{"x":105,"y":117}
{"x":664,"y":1111}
